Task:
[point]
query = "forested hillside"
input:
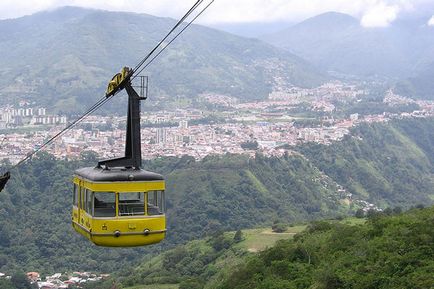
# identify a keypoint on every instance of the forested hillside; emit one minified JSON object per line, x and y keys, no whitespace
{"x":202,"y":197}
{"x":387,"y":252}
{"x":66,"y":57}
{"x":387,"y":164}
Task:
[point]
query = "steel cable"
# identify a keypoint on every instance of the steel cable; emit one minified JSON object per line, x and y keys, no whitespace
{"x":134,"y":73}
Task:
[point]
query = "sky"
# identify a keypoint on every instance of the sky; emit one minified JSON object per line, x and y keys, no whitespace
{"x":372,"y":13}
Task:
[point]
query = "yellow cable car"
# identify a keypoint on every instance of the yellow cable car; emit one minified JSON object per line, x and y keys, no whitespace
{"x":119,"y":207}
{"x":117,"y":204}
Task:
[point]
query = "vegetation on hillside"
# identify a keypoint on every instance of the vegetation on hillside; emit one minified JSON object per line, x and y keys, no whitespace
{"x":387,"y":252}
{"x":387,"y":164}
{"x":205,"y":262}
{"x":74,"y":69}
{"x":202,"y":197}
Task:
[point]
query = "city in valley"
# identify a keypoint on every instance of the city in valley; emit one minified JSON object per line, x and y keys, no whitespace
{"x":218,"y":125}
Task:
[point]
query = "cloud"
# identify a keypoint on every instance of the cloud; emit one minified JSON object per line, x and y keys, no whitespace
{"x":431,"y":21}
{"x":372,"y":12}
{"x":380,"y":15}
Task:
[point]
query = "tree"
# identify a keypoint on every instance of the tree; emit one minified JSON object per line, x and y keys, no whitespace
{"x":279,"y":227}
{"x":359,"y":214}
{"x":250,"y":145}
{"x":6,"y":284}
{"x":191,"y":283}
{"x":397,"y":210}
{"x":220,"y":242}
{"x":238,"y":237}
{"x":19,"y":280}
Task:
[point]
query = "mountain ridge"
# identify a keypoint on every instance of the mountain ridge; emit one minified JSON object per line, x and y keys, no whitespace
{"x":338,"y":42}
{"x":73,"y":52}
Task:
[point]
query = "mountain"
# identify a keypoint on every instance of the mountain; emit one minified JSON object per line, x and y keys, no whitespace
{"x":419,"y":86}
{"x":252,"y":29}
{"x":67,"y":56}
{"x":388,"y":165}
{"x":337,"y":42}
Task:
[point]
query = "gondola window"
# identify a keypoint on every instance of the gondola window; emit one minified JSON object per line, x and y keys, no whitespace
{"x":131,"y":204}
{"x":104,"y":204}
{"x":75,"y":195}
{"x":155,"y":202}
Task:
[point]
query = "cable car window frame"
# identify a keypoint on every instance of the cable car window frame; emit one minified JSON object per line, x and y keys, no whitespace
{"x":89,"y":202}
{"x":82,"y":198}
{"x":75,"y":195}
{"x":128,"y":209}
{"x":155,"y":205}
{"x":114,"y":206}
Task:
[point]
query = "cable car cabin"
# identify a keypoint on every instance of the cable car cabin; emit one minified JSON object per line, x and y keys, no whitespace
{"x":119,"y":207}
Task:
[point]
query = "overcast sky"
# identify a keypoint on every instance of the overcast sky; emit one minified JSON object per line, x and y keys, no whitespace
{"x":372,"y":13}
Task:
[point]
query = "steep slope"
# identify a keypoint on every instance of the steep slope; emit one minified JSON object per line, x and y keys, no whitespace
{"x":351,"y":253}
{"x":337,"y":42}
{"x":384,"y":164}
{"x":67,"y":56}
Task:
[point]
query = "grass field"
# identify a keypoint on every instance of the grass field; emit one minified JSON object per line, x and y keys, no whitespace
{"x":353,"y":221}
{"x":155,"y":286}
{"x":256,"y":240}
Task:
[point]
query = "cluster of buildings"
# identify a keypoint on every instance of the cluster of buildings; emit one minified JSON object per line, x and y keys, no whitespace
{"x":270,"y":123}
{"x":197,"y":140}
{"x":63,"y":281}
{"x":25,"y":114}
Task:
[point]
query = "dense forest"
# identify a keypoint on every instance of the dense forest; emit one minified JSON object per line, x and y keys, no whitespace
{"x":386,"y":164}
{"x":389,"y":165}
{"x":387,"y":252}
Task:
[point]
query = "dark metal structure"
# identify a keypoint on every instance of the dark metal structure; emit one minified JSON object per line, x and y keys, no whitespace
{"x":133,"y":152}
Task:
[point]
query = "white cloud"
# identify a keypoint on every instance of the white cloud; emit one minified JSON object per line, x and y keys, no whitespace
{"x":372,"y":12}
{"x":431,"y":21}
{"x":380,"y":15}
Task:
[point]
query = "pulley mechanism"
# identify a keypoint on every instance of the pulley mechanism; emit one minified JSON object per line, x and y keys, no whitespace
{"x":118,"y":81}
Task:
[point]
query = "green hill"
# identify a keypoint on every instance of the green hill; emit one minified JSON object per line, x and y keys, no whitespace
{"x":202,"y":197}
{"x":388,"y":165}
{"x":67,"y":56}
{"x":205,"y":262}
{"x":386,"y":252}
